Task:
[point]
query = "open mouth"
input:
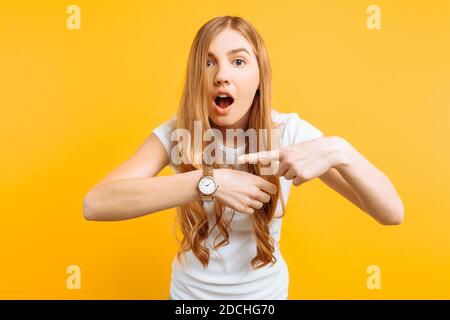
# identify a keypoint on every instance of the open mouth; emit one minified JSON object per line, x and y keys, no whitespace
{"x":223,"y":101}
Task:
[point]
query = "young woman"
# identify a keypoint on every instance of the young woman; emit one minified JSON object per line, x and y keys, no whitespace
{"x":230,"y":212}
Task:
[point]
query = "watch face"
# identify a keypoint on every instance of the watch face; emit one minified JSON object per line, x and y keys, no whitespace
{"x":207,"y":185}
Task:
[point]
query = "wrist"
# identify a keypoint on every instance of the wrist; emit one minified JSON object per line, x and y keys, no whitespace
{"x":196,"y":176}
{"x":341,"y":153}
{"x":207,"y":184}
{"x":221,"y":177}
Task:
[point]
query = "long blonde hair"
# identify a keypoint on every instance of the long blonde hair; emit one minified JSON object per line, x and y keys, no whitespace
{"x":193,"y":219}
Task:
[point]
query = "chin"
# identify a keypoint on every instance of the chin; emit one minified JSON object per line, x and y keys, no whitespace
{"x":229,"y":120}
{"x":223,"y":121}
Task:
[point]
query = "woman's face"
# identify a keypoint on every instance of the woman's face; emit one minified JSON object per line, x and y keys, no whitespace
{"x":232,"y":71}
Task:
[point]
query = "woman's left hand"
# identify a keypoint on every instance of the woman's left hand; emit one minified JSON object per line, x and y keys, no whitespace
{"x":303,"y":161}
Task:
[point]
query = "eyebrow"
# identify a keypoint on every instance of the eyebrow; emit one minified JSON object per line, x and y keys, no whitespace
{"x":232,"y":52}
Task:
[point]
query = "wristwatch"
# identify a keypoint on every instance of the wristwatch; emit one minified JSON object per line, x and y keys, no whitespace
{"x":207,"y":185}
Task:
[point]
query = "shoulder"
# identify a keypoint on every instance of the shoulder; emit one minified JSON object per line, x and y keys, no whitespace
{"x":294,"y":128}
{"x":164,"y":132}
{"x":167,"y":126}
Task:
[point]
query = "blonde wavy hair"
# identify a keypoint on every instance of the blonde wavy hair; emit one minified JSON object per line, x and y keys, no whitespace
{"x":192,"y":218}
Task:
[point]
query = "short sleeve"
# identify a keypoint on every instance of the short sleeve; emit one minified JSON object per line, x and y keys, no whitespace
{"x":300,"y":130}
{"x":164,"y":132}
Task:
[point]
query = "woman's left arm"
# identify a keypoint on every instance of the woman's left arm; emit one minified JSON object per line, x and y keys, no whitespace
{"x":337,"y":163}
{"x":376,"y":193}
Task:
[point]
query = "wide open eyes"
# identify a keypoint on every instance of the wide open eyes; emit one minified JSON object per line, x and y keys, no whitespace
{"x":241,"y":62}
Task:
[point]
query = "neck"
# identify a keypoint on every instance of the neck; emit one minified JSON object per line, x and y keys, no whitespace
{"x":241,"y":124}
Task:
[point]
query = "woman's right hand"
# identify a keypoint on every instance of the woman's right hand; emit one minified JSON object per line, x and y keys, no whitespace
{"x":242,"y":191}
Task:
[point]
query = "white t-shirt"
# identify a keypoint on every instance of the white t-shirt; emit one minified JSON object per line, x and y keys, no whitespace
{"x":229,"y":274}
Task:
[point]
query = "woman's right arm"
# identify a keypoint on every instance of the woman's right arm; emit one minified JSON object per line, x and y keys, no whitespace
{"x":133,"y":189}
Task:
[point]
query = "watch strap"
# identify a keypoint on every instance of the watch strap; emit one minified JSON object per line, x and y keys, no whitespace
{"x":208,"y":170}
{"x":208,"y":204}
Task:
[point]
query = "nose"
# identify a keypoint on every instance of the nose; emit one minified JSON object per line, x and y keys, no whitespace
{"x":222,"y":76}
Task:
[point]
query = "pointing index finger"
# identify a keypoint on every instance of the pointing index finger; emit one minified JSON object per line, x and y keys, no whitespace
{"x":263,"y":157}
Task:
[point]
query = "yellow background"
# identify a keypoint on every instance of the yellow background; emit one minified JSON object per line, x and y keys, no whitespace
{"x":77,"y":103}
